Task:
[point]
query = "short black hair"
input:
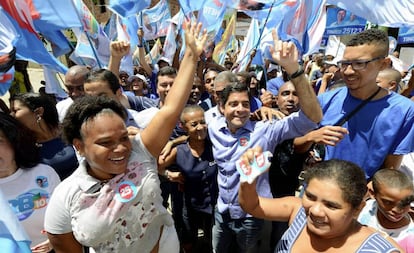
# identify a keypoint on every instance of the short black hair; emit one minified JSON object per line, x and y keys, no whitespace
{"x":375,"y":37}
{"x":232,"y":88}
{"x":167,"y":71}
{"x":349,"y":177}
{"x":86,"y":108}
{"x":105,"y":76}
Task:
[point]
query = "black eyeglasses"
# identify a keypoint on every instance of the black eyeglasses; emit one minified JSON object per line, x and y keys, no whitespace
{"x":358,"y":64}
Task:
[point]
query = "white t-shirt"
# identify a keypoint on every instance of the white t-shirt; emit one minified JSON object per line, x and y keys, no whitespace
{"x":62,"y":107}
{"x":404,"y":236}
{"x":124,"y":214}
{"x":407,"y":165}
{"x":28,"y":192}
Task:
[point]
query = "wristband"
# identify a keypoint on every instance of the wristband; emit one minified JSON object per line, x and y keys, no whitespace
{"x":298,"y":72}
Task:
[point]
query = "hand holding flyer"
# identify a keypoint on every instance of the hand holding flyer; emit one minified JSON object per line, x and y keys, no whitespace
{"x":249,"y":172}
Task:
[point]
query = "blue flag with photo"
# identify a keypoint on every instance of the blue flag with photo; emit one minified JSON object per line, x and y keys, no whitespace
{"x":342,"y":22}
{"x":154,"y":21}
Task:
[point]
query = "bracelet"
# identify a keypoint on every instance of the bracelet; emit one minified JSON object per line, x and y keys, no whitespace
{"x":298,"y":72}
{"x":166,"y":173}
{"x":140,"y":45}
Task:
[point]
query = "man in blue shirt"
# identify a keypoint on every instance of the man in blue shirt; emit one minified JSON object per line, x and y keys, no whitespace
{"x":381,"y":132}
{"x":232,"y":134}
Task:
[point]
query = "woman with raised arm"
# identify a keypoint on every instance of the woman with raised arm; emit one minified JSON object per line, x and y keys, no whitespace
{"x":325,"y":218}
{"x":112,"y":202}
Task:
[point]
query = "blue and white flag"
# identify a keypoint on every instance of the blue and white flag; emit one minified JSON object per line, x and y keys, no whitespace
{"x":126,"y":62}
{"x":126,"y":8}
{"x":251,"y":42}
{"x":29,"y":46}
{"x":154,"y":21}
{"x":211,"y":15}
{"x":302,"y":21}
{"x":343,"y":22}
{"x":188,"y":6}
{"x":92,"y":47}
{"x":384,"y":13}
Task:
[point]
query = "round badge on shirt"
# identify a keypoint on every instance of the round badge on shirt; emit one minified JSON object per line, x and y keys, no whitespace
{"x":126,"y":191}
{"x":243,"y":141}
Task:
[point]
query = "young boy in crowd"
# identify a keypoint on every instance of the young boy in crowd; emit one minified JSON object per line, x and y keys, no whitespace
{"x":392,"y":193}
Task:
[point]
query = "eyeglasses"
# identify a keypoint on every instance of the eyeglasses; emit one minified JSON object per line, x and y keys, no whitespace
{"x":358,"y":64}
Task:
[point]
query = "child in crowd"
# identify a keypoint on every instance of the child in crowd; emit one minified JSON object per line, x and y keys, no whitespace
{"x":392,"y":192}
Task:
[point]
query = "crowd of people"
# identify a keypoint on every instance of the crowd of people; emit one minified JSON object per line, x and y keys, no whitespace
{"x":147,"y":162}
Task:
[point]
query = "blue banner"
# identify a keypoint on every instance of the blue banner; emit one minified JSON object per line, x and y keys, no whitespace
{"x":406,"y":35}
{"x":342,"y":22}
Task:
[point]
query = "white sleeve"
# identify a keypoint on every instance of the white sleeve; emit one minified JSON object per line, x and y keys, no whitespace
{"x":57,"y":217}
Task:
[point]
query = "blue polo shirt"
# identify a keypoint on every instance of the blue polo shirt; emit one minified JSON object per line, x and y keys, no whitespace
{"x":228,"y":147}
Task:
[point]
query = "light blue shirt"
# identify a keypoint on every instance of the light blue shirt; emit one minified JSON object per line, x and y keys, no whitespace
{"x":228,"y":147}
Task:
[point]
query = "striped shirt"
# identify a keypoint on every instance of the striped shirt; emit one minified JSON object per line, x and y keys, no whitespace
{"x":375,"y":243}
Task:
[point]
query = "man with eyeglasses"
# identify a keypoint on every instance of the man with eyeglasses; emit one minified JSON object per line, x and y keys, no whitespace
{"x":381,"y":132}
{"x":74,"y":80}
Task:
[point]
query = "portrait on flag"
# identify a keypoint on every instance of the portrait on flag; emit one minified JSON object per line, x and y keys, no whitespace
{"x":154,"y":21}
{"x":342,"y":22}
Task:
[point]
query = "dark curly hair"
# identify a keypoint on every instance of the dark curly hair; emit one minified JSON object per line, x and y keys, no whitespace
{"x":86,"y":108}
{"x":349,"y":177}
{"x":375,"y":37}
{"x":22,"y":140}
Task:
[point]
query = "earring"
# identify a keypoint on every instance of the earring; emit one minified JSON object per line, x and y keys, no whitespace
{"x":38,"y":119}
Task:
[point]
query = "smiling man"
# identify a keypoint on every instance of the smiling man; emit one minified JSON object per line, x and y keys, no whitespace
{"x":233,"y":133}
{"x":382,"y":130}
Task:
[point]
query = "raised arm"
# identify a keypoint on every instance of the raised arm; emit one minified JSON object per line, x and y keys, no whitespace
{"x":278,"y":209}
{"x":157,"y":133}
{"x":286,"y":55}
{"x":118,"y":50}
{"x":140,"y":53}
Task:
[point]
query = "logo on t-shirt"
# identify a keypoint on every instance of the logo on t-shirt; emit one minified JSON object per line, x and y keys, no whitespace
{"x":126,"y":191}
{"x":25,"y":204}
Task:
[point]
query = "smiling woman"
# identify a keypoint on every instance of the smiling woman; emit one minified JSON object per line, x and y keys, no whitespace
{"x":324,"y":220}
{"x":112,"y":202}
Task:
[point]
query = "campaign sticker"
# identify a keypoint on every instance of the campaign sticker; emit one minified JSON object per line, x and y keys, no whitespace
{"x":126,"y":191}
{"x":243,"y":141}
{"x":42,"y":182}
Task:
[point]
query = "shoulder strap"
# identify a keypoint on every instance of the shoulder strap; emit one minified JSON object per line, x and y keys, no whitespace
{"x":346,"y":117}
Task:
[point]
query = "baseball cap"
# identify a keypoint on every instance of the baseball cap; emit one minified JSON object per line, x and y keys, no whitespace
{"x":272,"y":67}
{"x":137,"y":76}
{"x":164,"y":59}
